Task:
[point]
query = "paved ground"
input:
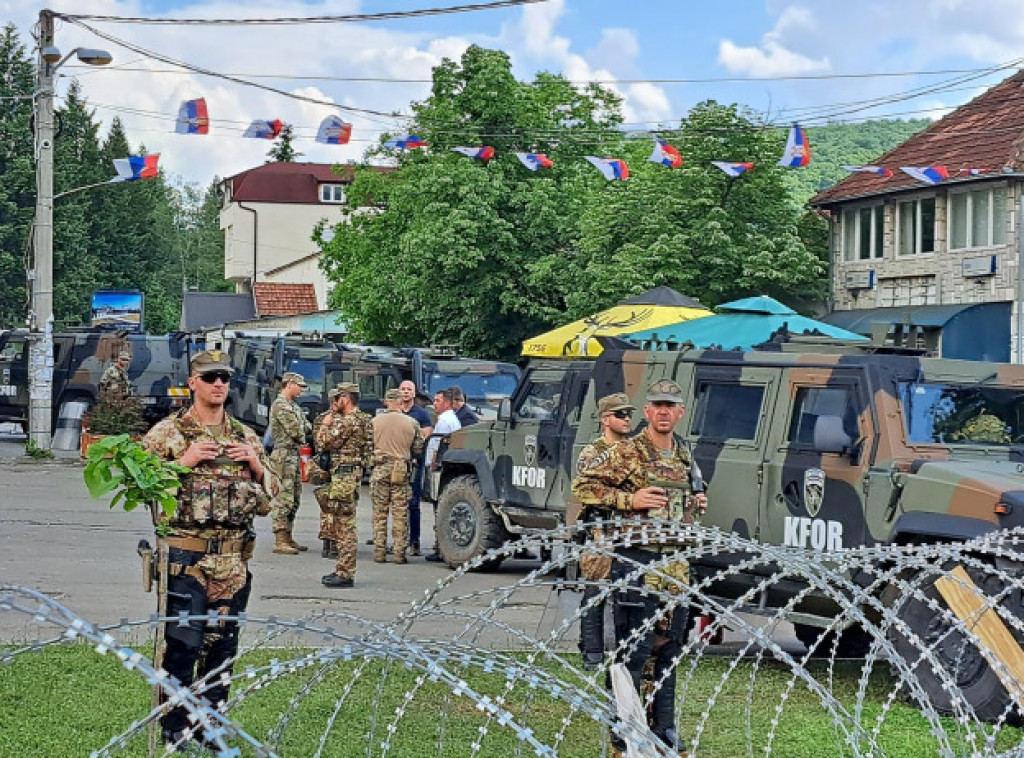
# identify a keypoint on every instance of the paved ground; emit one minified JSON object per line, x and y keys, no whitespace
{"x":57,"y":540}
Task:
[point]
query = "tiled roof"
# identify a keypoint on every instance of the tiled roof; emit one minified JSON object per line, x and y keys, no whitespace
{"x":280,"y":299}
{"x":986,"y":133}
{"x":286,"y":182}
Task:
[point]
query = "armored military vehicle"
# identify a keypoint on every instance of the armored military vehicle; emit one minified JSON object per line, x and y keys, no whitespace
{"x":158,"y":370}
{"x":812,"y":450}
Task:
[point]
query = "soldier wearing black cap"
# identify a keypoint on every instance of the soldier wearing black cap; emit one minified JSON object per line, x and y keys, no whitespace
{"x":632,"y":479}
{"x":209,"y":538}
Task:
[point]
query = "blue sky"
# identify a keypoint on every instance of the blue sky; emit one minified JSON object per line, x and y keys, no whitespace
{"x":761,"y":43}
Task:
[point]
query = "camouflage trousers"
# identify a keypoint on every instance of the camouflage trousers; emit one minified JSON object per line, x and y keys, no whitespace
{"x":286,"y":504}
{"x":392,"y":499}
{"x":337,"y":503}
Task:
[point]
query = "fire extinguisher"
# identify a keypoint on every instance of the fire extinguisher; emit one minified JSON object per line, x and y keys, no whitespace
{"x":305,"y":453}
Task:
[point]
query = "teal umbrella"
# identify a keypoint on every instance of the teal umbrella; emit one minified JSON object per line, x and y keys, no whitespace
{"x":739,"y":325}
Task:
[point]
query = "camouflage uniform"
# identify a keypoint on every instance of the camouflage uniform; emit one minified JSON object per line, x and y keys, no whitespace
{"x":592,"y":619}
{"x":397,"y":444}
{"x":288,"y":427}
{"x":609,"y":484}
{"x":115,"y":382}
{"x":345,"y":437}
{"x":326,"y":513}
{"x":210,"y":543}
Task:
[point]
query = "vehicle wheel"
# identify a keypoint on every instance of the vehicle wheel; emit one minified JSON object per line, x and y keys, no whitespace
{"x":954,"y":653}
{"x":854,"y":642}
{"x":466,"y":525}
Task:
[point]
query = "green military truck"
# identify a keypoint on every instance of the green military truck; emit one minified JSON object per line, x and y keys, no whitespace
{"x":158,"y":370}
{"x":811,"y":450}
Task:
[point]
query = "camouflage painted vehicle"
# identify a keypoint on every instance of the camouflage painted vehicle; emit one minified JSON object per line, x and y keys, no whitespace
{"x":812,"y":450}
{"x":158,"y":371}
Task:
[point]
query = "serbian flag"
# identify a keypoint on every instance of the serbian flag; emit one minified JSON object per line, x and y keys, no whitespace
{"x":192,"y":117}
{"x":928,"y":174}
{"x":409,"y":142}
{"x":264,"y":129}
{"x":798,"y":149}
{"x":483,"y":154}
{"x":534,"y":161}
{"x":731,"y":168}
{"x":972,"y":171}
{"x":880,"y":170}
{"x":665,"y":154}
{"x":610,"y":168}
{"x":135,"y":167}
{"x":334,"y":131}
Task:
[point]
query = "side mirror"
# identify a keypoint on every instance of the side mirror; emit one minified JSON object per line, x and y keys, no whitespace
{"x":505,"y":410}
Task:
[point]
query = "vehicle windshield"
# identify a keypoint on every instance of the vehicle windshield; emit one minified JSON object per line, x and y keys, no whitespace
{"x":312,"y":371}
{"x":962,"y":414}
{"x":480,"y":389}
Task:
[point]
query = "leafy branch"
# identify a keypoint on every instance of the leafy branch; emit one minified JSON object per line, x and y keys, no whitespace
{"x":140,"y":477}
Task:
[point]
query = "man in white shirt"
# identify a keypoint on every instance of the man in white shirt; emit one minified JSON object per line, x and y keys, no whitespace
{"x":447,"y":422}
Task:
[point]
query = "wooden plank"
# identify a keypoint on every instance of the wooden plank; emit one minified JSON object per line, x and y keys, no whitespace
{"x":995,"y":642}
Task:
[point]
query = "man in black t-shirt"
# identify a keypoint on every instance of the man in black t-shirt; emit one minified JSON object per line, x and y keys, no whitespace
{"x":407,"y":392}
{"x":462,"y":411}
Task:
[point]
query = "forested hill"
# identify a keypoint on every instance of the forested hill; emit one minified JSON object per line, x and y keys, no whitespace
{"x":834,"y":145}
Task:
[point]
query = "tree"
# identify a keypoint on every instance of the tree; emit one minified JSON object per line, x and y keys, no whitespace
{"x":283,"y":149}
{"x":201,"y":249}
{"x":444,"y":253}
{"x":17,"y":166}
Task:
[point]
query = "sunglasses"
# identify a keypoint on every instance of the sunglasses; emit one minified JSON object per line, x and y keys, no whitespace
{"x":623,"y":413}
{"x":212,"y":376}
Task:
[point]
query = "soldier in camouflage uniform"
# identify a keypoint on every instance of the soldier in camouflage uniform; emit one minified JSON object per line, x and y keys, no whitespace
{"x":288,"y":428}
{"x":615,"y":413}
{"x":345,"y":436}
{"x":627,"y":480}
{"x":322,"y":478}
{"x":209,"y":538}
{"x":397,"y":444}
{"x":115,"y":384}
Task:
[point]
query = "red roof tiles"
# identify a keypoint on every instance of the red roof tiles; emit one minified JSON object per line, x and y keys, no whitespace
{"x":280,"y":299}
{"x":986,"y":133}
{"x":286,"y":182}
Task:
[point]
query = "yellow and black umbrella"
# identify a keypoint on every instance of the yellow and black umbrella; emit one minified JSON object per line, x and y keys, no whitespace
{"x":654,"y":308}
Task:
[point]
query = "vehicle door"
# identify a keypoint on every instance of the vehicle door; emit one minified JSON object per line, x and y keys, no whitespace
{"x":529,"y":452}
{"x":13,"y":377}
{"x":728,"y":434}
{"x":815,"y":472}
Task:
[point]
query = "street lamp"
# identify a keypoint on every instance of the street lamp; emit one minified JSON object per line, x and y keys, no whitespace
{"x":40,"y":321}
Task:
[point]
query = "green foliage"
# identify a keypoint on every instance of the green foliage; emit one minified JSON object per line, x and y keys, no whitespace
{"x":114,"y":413}
{"x":32,"y":450}
{"x":283,"y":150}
{"x":139,"y":476}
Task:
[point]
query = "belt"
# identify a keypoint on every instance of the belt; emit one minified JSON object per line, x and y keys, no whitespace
{"x":214,"y":546}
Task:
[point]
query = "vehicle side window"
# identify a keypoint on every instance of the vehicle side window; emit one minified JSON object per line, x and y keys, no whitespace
{"x":251,"y":362}
{"x":13,"y":350}
{"x":813,"y":402}
{"x":541,"y":401}
{"x":727,"y":411}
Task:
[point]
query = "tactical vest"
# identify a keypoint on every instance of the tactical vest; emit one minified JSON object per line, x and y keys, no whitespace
{"x":220,"y":492}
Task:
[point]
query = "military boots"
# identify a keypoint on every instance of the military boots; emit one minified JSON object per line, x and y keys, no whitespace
{"x":283,"y":544}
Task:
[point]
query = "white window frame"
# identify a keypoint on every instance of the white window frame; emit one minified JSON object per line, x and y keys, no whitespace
{"x":329,"y":193}
{"x":877,"y":217}
{"x":918,"y":234}
{"x":970,"y":242}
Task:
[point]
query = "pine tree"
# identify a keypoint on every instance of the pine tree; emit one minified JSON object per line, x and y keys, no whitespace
{"x":283,"y":149}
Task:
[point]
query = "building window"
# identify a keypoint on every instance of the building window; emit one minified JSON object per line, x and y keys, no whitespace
{"x":332,"y":193}
{"x":977,"y":218}
{"x":916,"y":226}
{"x":862,"y":233}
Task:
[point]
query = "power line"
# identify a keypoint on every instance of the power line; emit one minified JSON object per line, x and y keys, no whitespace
{"x":349,"y":18}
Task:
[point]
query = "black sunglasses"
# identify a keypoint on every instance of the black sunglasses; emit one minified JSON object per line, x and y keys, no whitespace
{"x":212,"y":376}
{"x":623,"y":413}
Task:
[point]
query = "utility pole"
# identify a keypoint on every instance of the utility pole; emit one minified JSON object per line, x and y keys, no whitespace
{"x":40,"y":321}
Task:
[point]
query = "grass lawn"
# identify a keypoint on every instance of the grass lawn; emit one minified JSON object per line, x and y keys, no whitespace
{"x":69,"y":701}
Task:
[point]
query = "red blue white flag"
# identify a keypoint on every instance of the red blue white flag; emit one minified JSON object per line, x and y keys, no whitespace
{"x":534,"y":161}
{"x":972,"y":171}
{"x":264,"y":129}
{"x":798,"y":149}
{"x":483,"y":154}
{"x":334,"y":131}
{"x":193,"y":117}
{"x":731,"y":168}
{"x":928,"y":174}
{"x":610,"y":168}
{"x":665,"y":154}
{"x":135,"y":167}
{"x":409,"y":142}
{"x":880,"y":170}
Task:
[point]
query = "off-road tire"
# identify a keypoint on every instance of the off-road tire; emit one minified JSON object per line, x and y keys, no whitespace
{"x":854,"y":642}
{"x":956,"y":654}
{"x":466,"y":526}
